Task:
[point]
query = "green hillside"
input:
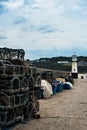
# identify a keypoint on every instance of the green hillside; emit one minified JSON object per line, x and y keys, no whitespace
{"x":59,"y":63}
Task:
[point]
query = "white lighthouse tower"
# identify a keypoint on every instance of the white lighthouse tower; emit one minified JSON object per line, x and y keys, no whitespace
{"x":74,"y":66}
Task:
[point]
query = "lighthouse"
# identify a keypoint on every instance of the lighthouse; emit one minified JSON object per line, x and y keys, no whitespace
{"x":74,"y":67}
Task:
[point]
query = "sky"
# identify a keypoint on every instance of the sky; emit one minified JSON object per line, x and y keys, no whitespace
{"x":44,"y":28}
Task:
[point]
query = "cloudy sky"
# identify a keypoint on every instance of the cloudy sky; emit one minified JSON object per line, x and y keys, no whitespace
{"x":44,"y":28}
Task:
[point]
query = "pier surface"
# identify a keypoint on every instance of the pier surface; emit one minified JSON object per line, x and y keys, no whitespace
{"x":64,"y":111}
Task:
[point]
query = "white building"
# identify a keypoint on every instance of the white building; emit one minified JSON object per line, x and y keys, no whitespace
{"x":74,"y":67}
{"x":63,"y":62}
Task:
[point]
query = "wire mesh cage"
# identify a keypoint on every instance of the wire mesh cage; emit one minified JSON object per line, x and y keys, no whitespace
{"x":19,"y":85}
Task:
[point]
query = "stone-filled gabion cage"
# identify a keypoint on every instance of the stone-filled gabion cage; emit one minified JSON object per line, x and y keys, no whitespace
{"x":19,"y":87}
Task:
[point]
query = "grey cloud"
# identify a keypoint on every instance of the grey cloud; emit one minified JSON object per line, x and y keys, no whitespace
{"x":44,"y":29}
{"x":48,"y":29}
{"x":2,"y":7}
{"x":19,"y":20}
{"x":2,"y":37}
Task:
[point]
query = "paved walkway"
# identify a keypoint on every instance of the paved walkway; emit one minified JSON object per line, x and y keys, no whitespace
{"x":64,"y":111}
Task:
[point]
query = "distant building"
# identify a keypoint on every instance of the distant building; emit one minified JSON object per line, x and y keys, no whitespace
{"x":63,"y":62}
{"x":40,"y":60}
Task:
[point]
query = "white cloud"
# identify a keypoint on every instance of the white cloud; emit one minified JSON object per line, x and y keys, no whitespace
{"x":13,"y":3}
{"x":44,"y":24}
